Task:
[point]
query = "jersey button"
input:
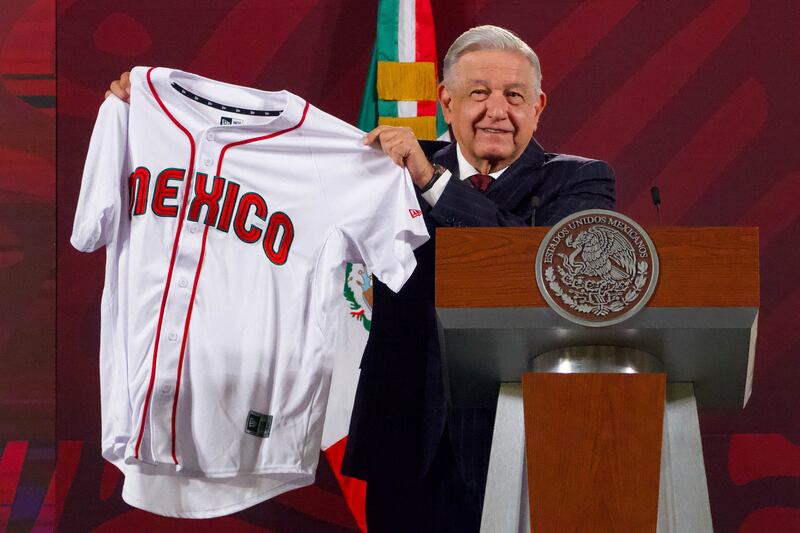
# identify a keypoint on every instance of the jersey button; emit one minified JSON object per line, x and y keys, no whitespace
{"x":193,"y":228}
{"x":173,"y":337}
{"x":183,"y":282}
{"x":210,"y":136}
{"x":207,"y":161}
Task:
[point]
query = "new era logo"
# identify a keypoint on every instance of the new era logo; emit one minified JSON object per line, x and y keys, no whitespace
{"x":415,"y":213}
{"x":258,"y":424}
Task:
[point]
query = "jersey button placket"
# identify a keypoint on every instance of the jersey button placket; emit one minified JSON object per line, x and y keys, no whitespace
{"x":186,"y":261}
{"x":186,"y":265}
{"x":206,"y":146}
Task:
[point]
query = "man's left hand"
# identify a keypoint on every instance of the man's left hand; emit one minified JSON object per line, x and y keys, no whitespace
{"x":402,"y":146}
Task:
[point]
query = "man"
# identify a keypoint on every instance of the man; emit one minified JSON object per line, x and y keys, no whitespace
{"x":425,"y":462}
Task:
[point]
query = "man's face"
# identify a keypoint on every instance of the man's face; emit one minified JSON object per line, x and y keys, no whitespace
{"x":492,"y":107}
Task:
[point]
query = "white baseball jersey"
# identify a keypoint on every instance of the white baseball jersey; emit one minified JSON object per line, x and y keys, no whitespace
{"x":227,"y":214}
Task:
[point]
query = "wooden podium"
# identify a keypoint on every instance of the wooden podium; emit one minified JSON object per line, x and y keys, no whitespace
{"x":610,"y":439}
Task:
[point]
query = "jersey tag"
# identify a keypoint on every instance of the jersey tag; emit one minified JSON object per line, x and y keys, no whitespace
{"x":258,"y":424}
{"x":228,"y":121}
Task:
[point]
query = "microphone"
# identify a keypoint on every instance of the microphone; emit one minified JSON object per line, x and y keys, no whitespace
{"x":534,"y":206}
{"x":655,"y":194}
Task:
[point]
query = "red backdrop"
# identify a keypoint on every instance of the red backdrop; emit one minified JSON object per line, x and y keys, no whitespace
{"x":698,"y":97}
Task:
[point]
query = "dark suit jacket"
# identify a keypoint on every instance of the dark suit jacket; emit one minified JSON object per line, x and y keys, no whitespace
{"x":400,"y":409}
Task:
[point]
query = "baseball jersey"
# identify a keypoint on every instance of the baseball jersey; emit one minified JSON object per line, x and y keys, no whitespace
{"x":227,"y":214}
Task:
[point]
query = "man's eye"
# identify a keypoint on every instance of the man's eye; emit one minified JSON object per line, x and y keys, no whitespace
{"x":478,"y":93}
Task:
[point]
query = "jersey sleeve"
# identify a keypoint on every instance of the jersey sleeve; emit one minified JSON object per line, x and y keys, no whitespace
{"x":100,"y":200}
{"x":376,"y":211}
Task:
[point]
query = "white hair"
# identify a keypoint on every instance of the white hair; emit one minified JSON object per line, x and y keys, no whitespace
{"x":490,"y":38}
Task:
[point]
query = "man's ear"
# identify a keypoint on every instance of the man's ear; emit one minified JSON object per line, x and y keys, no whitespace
{"x":539,"y":106}
{"x":445,"y":99}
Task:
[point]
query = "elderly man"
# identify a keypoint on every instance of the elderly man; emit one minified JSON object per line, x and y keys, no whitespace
{"x":425,"y":462}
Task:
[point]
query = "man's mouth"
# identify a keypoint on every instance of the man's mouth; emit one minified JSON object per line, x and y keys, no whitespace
{"x":495,"y":130}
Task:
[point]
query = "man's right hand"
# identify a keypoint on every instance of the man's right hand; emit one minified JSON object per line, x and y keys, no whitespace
{"x":121,"y":88}
{"x":402,"y":146}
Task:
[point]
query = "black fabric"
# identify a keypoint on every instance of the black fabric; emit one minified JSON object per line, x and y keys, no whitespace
{"x":438,"y":503}
{"x":400,"y":410}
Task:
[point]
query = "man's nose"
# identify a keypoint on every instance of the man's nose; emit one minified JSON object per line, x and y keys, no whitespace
{"x":496,"y":106}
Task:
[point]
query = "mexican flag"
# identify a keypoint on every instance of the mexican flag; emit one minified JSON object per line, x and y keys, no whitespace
{"x":400,"y":91}
{"x":402,"y":79}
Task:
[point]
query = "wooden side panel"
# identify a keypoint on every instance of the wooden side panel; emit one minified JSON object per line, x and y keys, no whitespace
{"x":593,"y":444}
{"x":700,"y":267}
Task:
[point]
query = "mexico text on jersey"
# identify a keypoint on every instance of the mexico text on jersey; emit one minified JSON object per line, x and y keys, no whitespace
{"x":227,"y":214}
{"x":275,"y":235}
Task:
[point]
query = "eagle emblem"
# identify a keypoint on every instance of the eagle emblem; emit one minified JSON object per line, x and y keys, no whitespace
{"x":596,"y":267}
{"x":358,"y":293}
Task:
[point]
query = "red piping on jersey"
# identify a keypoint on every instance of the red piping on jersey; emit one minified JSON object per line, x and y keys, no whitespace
{"x":200,"y":266}
{"x":187,"y":188}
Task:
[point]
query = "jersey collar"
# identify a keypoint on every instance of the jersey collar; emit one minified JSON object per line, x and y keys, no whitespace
{"x":290,"y":105}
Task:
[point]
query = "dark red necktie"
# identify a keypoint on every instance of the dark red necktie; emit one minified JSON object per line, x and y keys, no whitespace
{"x":481,"y":182}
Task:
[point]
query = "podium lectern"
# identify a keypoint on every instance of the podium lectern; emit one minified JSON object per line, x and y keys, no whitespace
{"x":607,"y":437}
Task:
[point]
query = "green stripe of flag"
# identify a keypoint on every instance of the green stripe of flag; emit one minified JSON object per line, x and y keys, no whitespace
{"x":368,"y":117}
{"x":387,"y":108}
{"x":388,"y":27}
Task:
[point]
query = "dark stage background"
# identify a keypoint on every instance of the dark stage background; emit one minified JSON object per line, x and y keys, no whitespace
{"x":698,"y":97}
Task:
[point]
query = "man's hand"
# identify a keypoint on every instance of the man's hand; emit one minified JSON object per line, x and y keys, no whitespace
{"x":121,"y":88}
{"x":402,"y":146}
